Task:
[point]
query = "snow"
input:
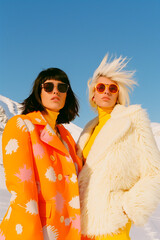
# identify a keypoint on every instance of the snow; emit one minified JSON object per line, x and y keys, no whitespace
{"x":11,"y":108}
{"x":8,"y":108}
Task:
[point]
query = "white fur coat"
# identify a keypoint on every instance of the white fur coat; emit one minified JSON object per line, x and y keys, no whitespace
{"x":121,"y":173}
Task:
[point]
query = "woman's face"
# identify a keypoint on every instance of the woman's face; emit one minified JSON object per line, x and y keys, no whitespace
{"x":105,"y":99}
{"x":54,"y":100}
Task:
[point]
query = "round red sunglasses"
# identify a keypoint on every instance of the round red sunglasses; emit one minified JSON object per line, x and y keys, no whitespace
{"x":101,"y":87}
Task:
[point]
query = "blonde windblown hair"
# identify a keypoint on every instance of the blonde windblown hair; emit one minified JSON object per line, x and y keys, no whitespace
{"x":113,"y":70}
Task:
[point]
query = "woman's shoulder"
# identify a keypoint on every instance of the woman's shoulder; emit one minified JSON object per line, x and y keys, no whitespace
{"x":137,"y":110}
{"x":15,"y":118}
{"x":121,"y":109}
{"x":16,"y":121}
{"x":131,"y":110}
{"x":32,"y":116}
{"x":138,"y":115}
{"x":134,"y":113}
{"x":14,"y":128}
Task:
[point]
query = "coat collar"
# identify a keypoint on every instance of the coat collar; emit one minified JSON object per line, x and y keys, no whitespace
{"x":47,"y":134}
{"x":114,"y":129}
{"x":120,"y":111}
{"x":37,"y":118}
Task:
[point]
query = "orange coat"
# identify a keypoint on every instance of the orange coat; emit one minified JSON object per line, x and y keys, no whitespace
{"x":41,"y":176}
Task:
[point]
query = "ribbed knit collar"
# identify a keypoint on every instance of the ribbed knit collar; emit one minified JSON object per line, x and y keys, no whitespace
{"x":51,"y":117}
{"x":102,"y":113}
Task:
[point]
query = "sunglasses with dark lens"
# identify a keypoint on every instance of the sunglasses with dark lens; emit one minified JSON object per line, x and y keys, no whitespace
{"x":101,"y":87}
{"x":49,"y":86}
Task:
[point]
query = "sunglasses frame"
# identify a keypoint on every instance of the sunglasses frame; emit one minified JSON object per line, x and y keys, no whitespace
{"x":107,"y":85}
{"x":53,"y":85}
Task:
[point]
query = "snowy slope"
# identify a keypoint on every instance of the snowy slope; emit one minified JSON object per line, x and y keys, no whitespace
{"x":9,"y":108}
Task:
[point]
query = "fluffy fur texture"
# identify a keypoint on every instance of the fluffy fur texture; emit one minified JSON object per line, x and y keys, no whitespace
{"x":115,"y":71}
{"x":121,"y":172}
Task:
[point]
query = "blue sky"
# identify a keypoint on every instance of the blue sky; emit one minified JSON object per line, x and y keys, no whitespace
{"x":75,"y":36}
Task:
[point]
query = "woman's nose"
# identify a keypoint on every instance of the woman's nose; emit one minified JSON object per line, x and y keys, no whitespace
{"x":107,"y":92}
{"x":55,"y":90}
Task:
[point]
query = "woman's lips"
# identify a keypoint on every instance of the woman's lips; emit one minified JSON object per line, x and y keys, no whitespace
{"x":55,"y":98}
{"x":105,"y":98}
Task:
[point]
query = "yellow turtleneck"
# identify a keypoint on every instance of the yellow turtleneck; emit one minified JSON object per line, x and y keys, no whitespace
{"x":51,"y":117}
{"x":104,"y":115}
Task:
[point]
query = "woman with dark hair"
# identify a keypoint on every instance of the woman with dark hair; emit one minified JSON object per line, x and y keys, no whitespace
{"x":41,"y":164}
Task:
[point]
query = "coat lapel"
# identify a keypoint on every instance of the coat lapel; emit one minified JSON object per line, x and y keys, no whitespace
{"x":111,"y":132}
{"x":85,"y":135}
{"x":47,"y":134}
{"x":115,"y":128}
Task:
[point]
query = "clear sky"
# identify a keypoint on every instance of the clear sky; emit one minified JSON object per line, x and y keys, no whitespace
{"x":74,"y":36}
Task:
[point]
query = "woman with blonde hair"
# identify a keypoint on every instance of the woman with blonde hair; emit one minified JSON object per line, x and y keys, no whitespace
{"x":120,"y":180}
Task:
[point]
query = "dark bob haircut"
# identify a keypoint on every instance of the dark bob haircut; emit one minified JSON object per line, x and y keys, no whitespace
{"x":34,"y":103}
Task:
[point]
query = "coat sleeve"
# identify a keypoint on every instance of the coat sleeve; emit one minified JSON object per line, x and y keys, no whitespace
{"x":142,"y":199}
{"x":22,"y":219}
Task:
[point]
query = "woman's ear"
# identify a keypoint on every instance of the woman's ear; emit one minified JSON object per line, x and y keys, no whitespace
{"x":93,"y":99}
{"x":117,"y":102}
